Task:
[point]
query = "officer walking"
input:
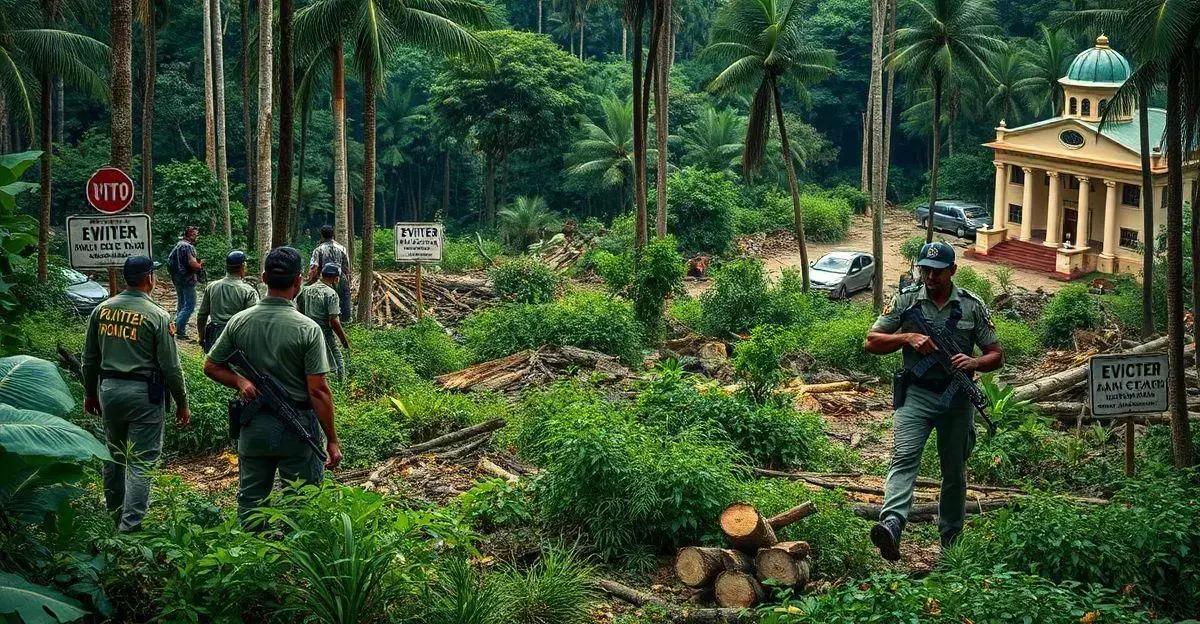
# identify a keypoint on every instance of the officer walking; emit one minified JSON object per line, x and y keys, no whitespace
{"x":185,"y":267}
{"x":280,"y":342}
{"x":319,"y":302}
{"x":224,"y":298}
{"x":332,"y":251}
{"x":918,"y":402}
{"x":129,"y":360}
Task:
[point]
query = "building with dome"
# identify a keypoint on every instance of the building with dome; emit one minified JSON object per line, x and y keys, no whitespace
{"x":1068,"y":195}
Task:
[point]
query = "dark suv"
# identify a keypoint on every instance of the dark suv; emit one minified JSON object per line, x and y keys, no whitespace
{"x":960,"y":217}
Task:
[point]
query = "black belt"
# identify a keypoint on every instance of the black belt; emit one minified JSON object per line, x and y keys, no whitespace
{"x":129,"y":376}
{"x":936,"y":386}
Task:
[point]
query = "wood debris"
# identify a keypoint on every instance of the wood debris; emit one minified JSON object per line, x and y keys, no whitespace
{"x":535,"y":367}
{"x":563,"y":250}
{"x":447,"y":297}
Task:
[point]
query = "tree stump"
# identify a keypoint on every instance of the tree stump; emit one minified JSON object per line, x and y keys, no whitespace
{"x":737,"y":589}
{"x":697,"y":566}
{"x":782,"y":567}
{"x":746,"y":529}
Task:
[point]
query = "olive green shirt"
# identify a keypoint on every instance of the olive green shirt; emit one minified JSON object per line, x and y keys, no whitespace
{"x":975,"y":328}
{"x":130,"y":333}
{"x":224,"y":298}
{"x":319,"y":302}
{"x":278,"y":341}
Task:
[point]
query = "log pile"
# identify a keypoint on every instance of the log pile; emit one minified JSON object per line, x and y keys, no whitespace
{"x":739,"y":577}
{"x":766,"y":244}
{"x":563,"y":250}
{"x":535,"y":367}
{"x":447,"y":297}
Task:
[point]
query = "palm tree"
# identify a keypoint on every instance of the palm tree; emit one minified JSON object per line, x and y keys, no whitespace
{"x":604,"y":155}
{"x":377,"y":27}
{"x":343,"y":224}
{"x":634,"y":14}
{"x":151,"y":14}
{"x":262,"y":179}
{"x":526,"y":221}
{"x":761,"y":44}
{"x":1045,"y":61}
{"x":210,"y":113}
{"x":287,"y":125}
{"x":947,"y":42}
{"x":247,"y":129}
{"x":1010,"y":89}
{"x":402,"y":120}
{"x":715,"y":140}
{"x":879,"y":10}
{"x":662,"y":83}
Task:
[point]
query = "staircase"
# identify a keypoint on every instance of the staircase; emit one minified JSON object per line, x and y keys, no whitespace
{"x":1022,"y":254}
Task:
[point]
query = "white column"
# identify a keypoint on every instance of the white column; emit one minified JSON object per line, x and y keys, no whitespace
{"x":1110,"y":220}
{"x":1053,"y":210}
{"x":1027,"y":205}
{"x":1000,"y":199}
{"x":1082,"y":225}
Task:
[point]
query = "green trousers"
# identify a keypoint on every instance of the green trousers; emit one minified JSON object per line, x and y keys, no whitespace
{"x":266,"y":448}
{"x":334,"y":351}
{"x":955,"y":425}
{"x":133,"y":428}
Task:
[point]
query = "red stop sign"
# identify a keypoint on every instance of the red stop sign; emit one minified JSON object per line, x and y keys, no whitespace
{"x":110,"y":190}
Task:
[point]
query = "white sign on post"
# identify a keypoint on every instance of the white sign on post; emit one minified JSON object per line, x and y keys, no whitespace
{"x":1127,"y":384}
{"x":418,"y":242}
{"x":102,"y":242}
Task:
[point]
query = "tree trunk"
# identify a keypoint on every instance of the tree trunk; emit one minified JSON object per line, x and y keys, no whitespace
{"x":539,"y":11}
{"x":59,"y":106}
{"x":341,"y":214}
{"x":366,"y":274}
{"x":305,"y":118}
{"x":661,"y":116}
{"x":738,"y":589}
{"x":778,"y":565}
{"x":888,"y":96}
{"x":1181,"y":440}
{"x":745,"y":528}
{"x":149,"y":77}
{"x":210,"y":119}
{"x":47,"y":137}
{"x":937,"y":148}
{"x":247,"y":128}
{"x":446,"y":184}
{"x":582,"y":24}
{"x":489,"y":192}
{"x":793,"y":186}
{"x":121,"y":84}
{"x":639,"y":133}
{"x":218,"y":65}
{"x":865,"y":177}
{"x":1147,"y":217}
{"x":287,"y":123}
{"x":5,"y":130}
{"x":263,"y":216}
{"x":624,"y":41}
{"x":878,"y":196}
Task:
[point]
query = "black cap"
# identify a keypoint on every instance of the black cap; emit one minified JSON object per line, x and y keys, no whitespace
{"x":938,"y":255}
{"x":331,"y":269}
{"x":235,"y":258}
{"x":137,"y":266}
{"x":282,"y":261}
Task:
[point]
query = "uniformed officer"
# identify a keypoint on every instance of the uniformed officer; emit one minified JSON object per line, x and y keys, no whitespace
{"x":319,"y":302}
{"x":919,"y":409}
{"x":332,"y":251}
{"x":281,"y":342}
{"x":224,"y":298}
{"x":129,"y":359}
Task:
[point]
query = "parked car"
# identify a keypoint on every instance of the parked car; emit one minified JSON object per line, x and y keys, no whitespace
{"x":962,"y":218}
{"x":83,"y":293}
{"x":842,"y":273}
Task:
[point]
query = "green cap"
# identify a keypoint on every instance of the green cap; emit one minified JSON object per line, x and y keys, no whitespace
{"x":937,"y":255}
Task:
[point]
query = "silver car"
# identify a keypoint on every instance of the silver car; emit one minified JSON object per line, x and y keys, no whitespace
{"x":83,"y":293}
{"x":842,"y":273}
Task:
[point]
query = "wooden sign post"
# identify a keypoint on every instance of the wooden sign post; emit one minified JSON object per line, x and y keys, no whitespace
{"x":419,"y":243}
{"x":1127,"y":385}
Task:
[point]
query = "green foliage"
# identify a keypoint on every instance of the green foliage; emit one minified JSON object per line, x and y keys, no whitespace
{"x":186,"y":193}
{"x":586,"y":319}
{"x":1069,"y":309}
{"x":1004,"y":277}
{"x":837,"y":343}
{"x":424,"y":345}
{"x":526,"y":220}
{"x":209,"y":403}
{"x":426,"y":412}
{"x":687,"y":312}
{"x":658,"y":275}
{"x":774,"y":213}
{"x":737,"y":300}
{"x":369,"y":432}
{"x":17,"y":232}
{"x":977,"y":283}
{"x":826,"y":218}
{"x":699,"y":210}
{"x":35,"y":604}
{"x":462,"y":254}
{"x":558,"y":588}
{"x":525,"y":280}
{"x":757,"y":361}
{"x":959,"y":176}
{"x":495,"y":503}
{"x":857,"y":199}
{"x":615,"y":270}
{"x":343,"y":579}
{"x":376,"y":371}
{"x":1019,"y":341}
{"x":911,"y":247}
{"x":459,"y":594}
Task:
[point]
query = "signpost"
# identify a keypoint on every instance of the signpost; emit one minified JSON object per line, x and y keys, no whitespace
{"x":1125,"y":385}
{"x":109,"y":190}
{"x":104,"y":242}
{"x":419,"y":243}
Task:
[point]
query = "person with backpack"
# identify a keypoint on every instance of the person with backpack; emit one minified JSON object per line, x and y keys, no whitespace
{"x":184,"y":268}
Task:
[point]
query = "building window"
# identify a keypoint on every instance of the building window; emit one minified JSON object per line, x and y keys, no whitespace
{"x":1074,"y":106}
{"x":1103,"y":106}
{"x":1014,"y":213}
{"x":1129,"y":238}
{"x":1018,"y":175}
{"x":1086,"y":108}
{"x":1131,"y":194}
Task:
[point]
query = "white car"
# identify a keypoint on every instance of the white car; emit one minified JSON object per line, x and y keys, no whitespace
{"x":842,"y":273}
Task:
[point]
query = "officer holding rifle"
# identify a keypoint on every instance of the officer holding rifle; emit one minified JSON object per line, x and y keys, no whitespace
{"x":935,"y":390}
{"x":285,"y":350}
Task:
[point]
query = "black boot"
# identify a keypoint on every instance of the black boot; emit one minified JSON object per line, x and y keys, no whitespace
{"x":886,"y":537}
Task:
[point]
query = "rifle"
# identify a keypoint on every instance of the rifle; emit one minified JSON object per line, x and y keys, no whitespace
{"x":947,"y":347}
{"x":272,"y":395}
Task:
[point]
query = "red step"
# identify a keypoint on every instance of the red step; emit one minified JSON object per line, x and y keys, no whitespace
{"x":1022,"y":254}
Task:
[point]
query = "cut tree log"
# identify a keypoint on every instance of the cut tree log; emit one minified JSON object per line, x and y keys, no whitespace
{"x":698,"y":566}
{"x":776,"y":564}
{"x":491,"y":467}
{"x":530,"y":368}
{"x":736,"y":560}
{"x":439,"y":442}
{"x":674,"y":612}
{"x":738,"y":590}
{"x":462,"y":451}
{"x":745,"y":528}
{"x":1047,"y":386}
{"x":784,"y":518}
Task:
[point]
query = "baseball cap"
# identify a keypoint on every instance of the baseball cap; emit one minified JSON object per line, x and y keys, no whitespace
{"x":331,"y":269}
{"x":282,"y":261}
{"x":235,"y":258}
{"x":938,"y":255}
{"x":137,"y":266}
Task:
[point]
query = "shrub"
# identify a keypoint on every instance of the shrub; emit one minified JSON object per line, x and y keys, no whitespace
{"x":494,"y":503}
{"x":424,"y":345}
{"x":659,"y":274}
{"x":1004,"y":277}
{"x":826,"y":219}
{"x":837,"y":343}
{"x":425,"y":412}
{"x":700,"y":205}
{"x":774,"y":213}
{"x":374,"y":371}
{"x":1069,"y":309}
{"x":757,"y":361}
{"x":687,"y":312}
{"x":616,"y":271}
{"x":857,"y":199}
{"x":525,"y":280}
{"x":978,"y":284}
{"x":186,"y":193}
{"x":462,"y":254}
{"x":209,"y":403}
{"x":911,"y":247}
{"x":369,"y":432}
{"x":1018,"y":340}
{"x":737,"y":299}
{"x":558,"y":589}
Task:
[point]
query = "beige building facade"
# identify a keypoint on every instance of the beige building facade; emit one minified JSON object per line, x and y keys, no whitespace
{"x":1069,"y":184}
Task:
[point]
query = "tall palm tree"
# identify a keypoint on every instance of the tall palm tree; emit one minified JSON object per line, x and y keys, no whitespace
{"x":1010,"y":90}
{"x":287,"y":125}
{"x":715,"y":140}
{"x":946,"y":42}
{"x":150,"y":14}
{"x":526,"y":220}
{"x":343,"y":224}
{"x":1045,"y":62}
{"x":247,"y":129}
{"x":218,"y":75}
{"x":761,"y":43}
{"x":262,"y":179}
{"x":604,"y":156}
{"x":376,"y":28}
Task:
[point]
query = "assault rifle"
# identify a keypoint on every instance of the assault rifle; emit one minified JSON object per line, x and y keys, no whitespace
{"x":947,"y":347}
{"x":272,"y":396}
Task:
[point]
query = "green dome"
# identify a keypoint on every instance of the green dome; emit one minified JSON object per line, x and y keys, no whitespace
{"x":1100,"y":64}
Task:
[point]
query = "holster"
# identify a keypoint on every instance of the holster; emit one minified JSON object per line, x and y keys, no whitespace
{"x":156,"y":390}
{"x":240,"y":413}
{"x":900,"y":382}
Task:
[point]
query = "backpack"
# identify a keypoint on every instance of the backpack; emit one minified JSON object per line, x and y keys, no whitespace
{"x":175,"y":262}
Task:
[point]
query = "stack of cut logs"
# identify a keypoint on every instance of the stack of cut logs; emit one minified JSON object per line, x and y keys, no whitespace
{"x":739,"y":576}
{"x":447,"y":297}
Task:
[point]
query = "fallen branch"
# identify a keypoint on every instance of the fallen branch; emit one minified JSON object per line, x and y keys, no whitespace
{"x":466,"y":449}
{"x":438,"y":442}
{"x":676,"y":613}
{"x":818,"y":479}
{"x":1047,"y":386}
{"x":490,"y":467}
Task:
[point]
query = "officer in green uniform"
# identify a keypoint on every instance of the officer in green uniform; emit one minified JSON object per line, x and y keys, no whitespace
{"x":224,"y":298}
{"x":320,"y":303}
{"x":919,"y":406}
{"x":281,"y":342}
{"x":129,"y":360}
